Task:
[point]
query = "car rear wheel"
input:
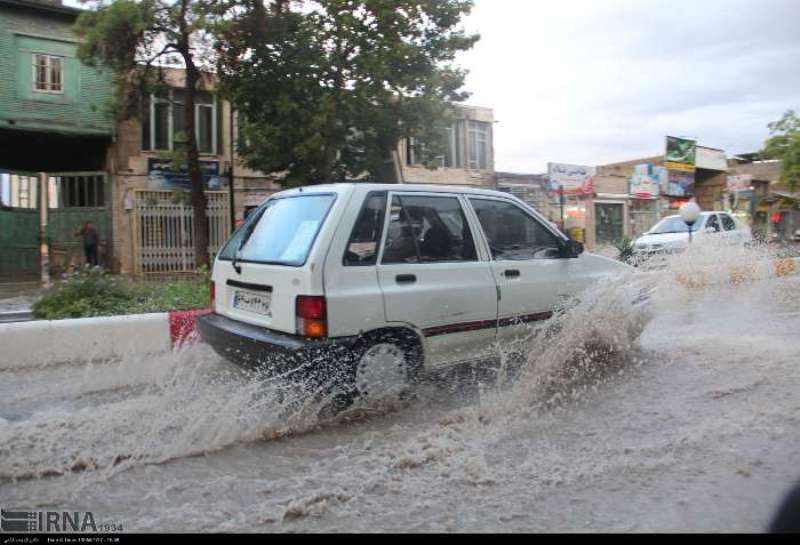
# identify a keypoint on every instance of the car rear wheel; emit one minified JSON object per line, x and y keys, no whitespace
{"x":382,"y":371}
{"x":383,"y":368}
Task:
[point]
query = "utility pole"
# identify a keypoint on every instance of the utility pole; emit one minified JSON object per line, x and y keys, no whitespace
{"x":561,"y":203}
{"x":230,"y":170}
{"x":44,"y":247}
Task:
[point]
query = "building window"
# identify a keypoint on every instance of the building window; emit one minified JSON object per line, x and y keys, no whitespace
{"x":478,"y":149}
{"x":164,"y":121}
{"x":73,"y":191}
{"x":48,"y":73}
{"x":415,"y":152}
{"x":18,"y":190}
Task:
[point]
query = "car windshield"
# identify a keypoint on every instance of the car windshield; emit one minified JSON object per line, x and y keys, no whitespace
{"x":283,"y":231}
{"x":674,"y":224}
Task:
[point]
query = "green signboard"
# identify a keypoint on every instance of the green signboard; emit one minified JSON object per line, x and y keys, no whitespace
{"x":680,"y":154}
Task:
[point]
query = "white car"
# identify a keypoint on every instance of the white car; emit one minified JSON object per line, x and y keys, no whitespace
{"x":372,"y":285}
{"x":671,"y":234}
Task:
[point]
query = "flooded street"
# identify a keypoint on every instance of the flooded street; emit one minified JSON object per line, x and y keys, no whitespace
{"x":692,"y":425}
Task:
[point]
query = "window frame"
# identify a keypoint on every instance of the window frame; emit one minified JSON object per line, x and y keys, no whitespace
{"x":718,"y":221}
{"x":48,"y":73}
{"x":531,"y":214}
{"x":19,"y":199}
{"x":257,"y":215}
{"x":154,"y":99}
{"x":473,"y":129}
{"x":722,"y":218}
{"x":414,"y":157}
{"x":465,"y":210}
{"x":379,"y":241}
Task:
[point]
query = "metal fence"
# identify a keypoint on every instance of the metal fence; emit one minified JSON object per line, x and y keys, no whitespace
{"x":164,"y":228}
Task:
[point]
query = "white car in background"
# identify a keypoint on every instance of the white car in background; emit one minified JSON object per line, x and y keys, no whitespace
{"x":671,"y":234}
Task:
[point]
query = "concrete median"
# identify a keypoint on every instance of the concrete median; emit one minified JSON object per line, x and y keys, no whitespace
{"x":38,"y":343}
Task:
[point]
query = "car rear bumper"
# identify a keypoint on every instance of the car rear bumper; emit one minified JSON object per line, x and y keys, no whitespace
{"x":272,"y":352}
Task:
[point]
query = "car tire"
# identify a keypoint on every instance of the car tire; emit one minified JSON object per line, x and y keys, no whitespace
{"x":383,"y":367}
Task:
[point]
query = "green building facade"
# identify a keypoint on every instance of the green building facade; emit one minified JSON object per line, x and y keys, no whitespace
{"x":55,"y":136}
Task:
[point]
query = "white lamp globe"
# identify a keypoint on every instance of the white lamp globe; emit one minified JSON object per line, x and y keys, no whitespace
{"x":690,"y":212}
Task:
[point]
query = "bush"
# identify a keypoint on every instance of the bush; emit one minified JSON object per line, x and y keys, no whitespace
{"x":625,"y":248}
{"x":98,"y":293}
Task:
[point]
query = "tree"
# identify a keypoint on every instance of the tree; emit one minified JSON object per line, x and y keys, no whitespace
{"x":784,"y":144}
{"x":326,"y":89}
{"x":136,"y":39}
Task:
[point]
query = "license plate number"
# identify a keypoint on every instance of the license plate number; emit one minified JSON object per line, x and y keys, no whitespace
{"x":252,"y":302}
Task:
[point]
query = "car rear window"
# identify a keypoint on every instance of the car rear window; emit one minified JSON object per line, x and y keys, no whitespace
{"x":282,"y":232}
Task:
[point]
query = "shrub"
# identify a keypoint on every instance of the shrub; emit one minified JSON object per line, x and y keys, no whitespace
{"x":625,"y":248}
{"x":98,"y":293}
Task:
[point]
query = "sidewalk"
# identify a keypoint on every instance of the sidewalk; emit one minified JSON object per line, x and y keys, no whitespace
{"x":19,"y":297}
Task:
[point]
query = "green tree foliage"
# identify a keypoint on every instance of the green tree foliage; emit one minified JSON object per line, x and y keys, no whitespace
{"x":784,"y":144}
{"x":327,"y":88}
{"x":137,"y":39}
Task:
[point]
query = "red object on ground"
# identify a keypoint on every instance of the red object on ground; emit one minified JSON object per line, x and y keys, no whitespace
{"x":182,"y":325}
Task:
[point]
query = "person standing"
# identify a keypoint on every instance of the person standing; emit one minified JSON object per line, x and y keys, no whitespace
{"x":90,"y":239}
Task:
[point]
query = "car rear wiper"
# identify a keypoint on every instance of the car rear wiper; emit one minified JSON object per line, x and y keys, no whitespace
{"x":235,"y":259}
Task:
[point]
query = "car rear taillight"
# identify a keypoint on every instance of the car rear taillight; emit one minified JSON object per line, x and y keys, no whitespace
{"x":311,"y":315}
{"x":212,"y":295}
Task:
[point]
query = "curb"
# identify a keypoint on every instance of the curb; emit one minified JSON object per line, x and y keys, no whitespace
{"x":44,"y":342}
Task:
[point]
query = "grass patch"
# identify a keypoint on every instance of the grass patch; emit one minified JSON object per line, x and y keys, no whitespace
{"x":98,"y":293}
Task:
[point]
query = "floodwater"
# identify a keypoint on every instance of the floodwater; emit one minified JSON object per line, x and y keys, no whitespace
{"x":682,"y":414}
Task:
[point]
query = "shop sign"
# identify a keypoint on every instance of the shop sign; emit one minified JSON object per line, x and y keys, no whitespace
{"x":571,"y":179}
{"x":740,"y":182}
{"x":680,"y":155}
{"x":710,"y":158}
{"x":647,"y":181}
{"x":161,"y":175}
{"x":679,"y":184}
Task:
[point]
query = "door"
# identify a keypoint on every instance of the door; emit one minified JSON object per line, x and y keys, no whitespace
{"x":609,"y":224}
{"x":19,"y":226}
{"x":432,"y":278}
{"x":75,"y":198}
{"x":532,"y":277}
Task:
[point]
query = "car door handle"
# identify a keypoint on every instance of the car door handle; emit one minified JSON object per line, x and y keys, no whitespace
{"x":405,"y":278}
{"x":511,"y":273}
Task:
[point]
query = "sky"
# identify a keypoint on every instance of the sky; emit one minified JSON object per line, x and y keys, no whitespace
{"x":590,"y":82}
{"x":598,"y":81}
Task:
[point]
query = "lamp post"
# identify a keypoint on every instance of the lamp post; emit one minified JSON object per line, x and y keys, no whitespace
{"x":689,"y":214}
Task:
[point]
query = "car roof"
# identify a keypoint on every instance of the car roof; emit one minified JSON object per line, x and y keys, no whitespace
{"x":704,"y":213}
{"x":431,"y":188}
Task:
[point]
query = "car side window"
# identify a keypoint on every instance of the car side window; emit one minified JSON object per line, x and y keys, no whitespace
{"x":362,"y":249}
{"x":428,"y":229}
{"x":713,"y":223}
{"x":727,"y":222}
{"x":513,"y":234}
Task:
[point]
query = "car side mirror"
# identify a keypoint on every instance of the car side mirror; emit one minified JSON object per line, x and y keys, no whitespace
{"x":572,"y":248}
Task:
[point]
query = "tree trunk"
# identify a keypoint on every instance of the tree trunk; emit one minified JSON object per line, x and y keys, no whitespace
{"x":200,"y":237}
{"x":201,"y":256}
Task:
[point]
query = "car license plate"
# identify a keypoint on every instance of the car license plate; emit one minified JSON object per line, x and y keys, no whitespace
{"x":252,"y":302}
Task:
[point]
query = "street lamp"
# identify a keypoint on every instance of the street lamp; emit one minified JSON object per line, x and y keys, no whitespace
{"x":689,"y":214}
